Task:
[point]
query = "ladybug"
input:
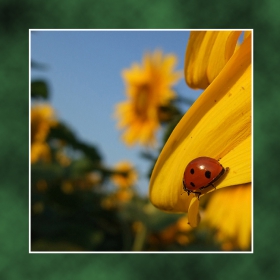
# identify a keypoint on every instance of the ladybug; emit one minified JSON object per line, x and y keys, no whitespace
{"x":200,"y":173}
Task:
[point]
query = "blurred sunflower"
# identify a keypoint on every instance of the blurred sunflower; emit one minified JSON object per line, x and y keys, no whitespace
{"x":128,"y":178}
{"x":218,"y":125}
{"x":148,"y":89}
{"x":124,"y":178}
{"x":42,"y":119}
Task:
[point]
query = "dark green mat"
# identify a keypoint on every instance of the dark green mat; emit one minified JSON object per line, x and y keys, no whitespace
{"x":16,"y":17}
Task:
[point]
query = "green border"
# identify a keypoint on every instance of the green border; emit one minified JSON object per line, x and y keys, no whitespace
{"x":17,"y":17}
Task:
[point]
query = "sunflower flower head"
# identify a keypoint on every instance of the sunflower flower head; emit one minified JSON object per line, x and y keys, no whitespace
{"x":42,"y":119}
{"x":128,"y":178}
{"x":218,"y":124}
{"x":148,"y":88}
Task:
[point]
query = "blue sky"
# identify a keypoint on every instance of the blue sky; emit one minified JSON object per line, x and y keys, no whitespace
{"x":84,"y":74}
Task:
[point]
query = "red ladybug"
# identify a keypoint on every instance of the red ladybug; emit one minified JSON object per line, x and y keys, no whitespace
{"x":200,"y":173}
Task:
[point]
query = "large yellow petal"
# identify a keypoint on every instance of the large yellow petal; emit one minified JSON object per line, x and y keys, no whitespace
{"x":218,"y":125}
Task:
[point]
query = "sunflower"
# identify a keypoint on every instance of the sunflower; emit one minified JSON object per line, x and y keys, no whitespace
{"x":42,"y":119}
{"x":218,"y":125}
{"x":148,"y":89}
{"x":124,"y":181}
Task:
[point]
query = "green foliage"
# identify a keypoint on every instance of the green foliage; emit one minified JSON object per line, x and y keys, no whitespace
{"x":64,"y":133}
{"x":77,"y":219}
{"x":140,"y":209}
{"x":39,"y":89}
{"x":71,"y":212}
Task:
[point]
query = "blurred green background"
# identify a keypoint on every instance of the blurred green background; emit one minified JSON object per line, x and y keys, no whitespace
{"x":16,"y":18}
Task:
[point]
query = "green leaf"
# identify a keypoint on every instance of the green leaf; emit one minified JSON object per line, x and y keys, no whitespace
{"x":39,"y":89}
{"x":79,"y":168}
{"x":63,"y":132}
{"x":38,"y":65}
{"x":141,"y":210}
{"x":49,"y":172}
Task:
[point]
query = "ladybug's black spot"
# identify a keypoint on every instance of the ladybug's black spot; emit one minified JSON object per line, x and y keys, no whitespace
{"x":207,"y":174}
{"x":192,"y":184}
{"x":192,"y":171}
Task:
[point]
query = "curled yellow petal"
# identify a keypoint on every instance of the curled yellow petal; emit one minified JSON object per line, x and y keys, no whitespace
{"x":193,"y":214}
{"x":206,"y":55}
{"x":218,"y":125}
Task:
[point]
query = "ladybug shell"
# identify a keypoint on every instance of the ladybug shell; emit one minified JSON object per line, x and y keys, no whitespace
{"x":201,"y":172}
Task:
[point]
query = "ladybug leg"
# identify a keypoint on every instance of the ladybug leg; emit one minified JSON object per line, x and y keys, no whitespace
{"x":184,"y":186}
{"x":213,"y":186}
{"x":199,"y":194}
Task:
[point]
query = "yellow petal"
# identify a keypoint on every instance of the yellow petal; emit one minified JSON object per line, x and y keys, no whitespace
{"x":218,"y":125}
{"x":240,"y":170}
{"x":229,"y":212}
{"x":206,"y":55}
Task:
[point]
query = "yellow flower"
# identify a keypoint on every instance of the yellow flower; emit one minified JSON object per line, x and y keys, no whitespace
{"x":229,"y":212}
{"x":124,"y":180}
{"x":148,"y":88}
{"x":118,"y":198}
{"x":218,"y":124}
{"x":123,"y":195}
{"x":42,"y":119}
{"x":40,"y":151}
